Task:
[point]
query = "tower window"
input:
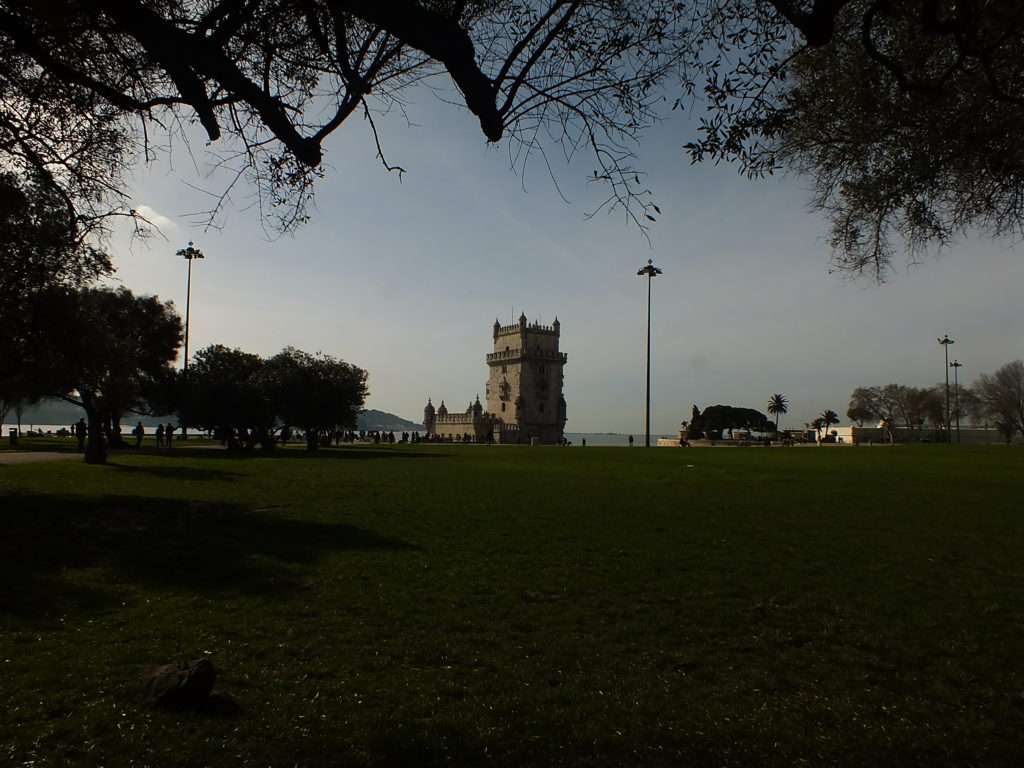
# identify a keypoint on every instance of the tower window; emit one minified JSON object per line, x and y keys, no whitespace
{"x":503,"y":406}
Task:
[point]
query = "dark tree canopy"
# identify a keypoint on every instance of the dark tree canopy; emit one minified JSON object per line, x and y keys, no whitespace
{"x":41,"y":245}
{"x":270,"y":80}
{"x":42,"y":255}
{"x":905,"y":114}
{"x":242,"y":396}
{"x":222,"y":391}
{"x":999,"y":397}
{"x":717,"y":418}
{"x":900,"y":405}
{"x":101,"y":349}
{"x":316,"y":393}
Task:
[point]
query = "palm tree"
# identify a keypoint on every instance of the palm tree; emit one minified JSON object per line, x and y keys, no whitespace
{"x":778,"y":405}
{"x":828,"y":418}
{"x":818,"y":424}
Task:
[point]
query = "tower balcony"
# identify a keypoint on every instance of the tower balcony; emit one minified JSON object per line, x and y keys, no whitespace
{"x":514,"y":355}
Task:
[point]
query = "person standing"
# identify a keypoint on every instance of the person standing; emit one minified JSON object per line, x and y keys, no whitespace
{"x":80,"y":431}
{"x":159,"y":435}
{"x":139,"y":432}
{"x":630,"y":441}
{"x":169,"y":434}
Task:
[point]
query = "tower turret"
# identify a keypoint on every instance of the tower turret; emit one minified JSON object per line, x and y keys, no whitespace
{"x":497,"y":328}
{"x":443,"y":410}
{"x":429,"y":418}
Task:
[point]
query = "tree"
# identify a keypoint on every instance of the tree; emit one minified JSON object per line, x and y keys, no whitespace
{"x":235,"y":392}
{"x":828,"y":418}
{"x":777,"y":406}
{"x":898,"y":404}
{"x":864,"y":406}
{"x":1001,"y":398}
{"x":101,"y":351}
{"x":818,"y":425}
{"x":717,"y":418}
{"x":224,"y":394}
{"x":967,"y":405}
{"x":901,"y":112}
{"x":931,"y":404}
{"x":316,"y":393}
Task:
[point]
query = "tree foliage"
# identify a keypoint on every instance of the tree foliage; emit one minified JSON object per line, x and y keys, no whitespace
{"x":828,"y":418}
{"x":99,"y":348}
{"x":42,"y":255}
{"x":1000,"y":397}
{"x":903,"y":113}
{"x":717,"y":418}
{"x":316,"y":393}
{"x":244,"y":397}
{"x":222,"y":391}
{"x":909,"y":407}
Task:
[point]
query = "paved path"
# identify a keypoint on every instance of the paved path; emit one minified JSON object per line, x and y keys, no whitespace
{"x":25,"y":457}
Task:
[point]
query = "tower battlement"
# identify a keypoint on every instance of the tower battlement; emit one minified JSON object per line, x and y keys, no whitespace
{"x":521,"y":327}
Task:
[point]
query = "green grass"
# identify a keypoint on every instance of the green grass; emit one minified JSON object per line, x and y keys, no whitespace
{"x":507,"y":606}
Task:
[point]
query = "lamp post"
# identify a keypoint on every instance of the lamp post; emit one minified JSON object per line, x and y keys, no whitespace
{"x":188,"y":254}
{"x":650,"y":271}
{"x":956,"y":365}
{"x":945,"y":341}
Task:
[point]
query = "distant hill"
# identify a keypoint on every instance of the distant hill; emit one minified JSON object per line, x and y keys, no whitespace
{"x":61,"y":413}
{"x":385,"y":422}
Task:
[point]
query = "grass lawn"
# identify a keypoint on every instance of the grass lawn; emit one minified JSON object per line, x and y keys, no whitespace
{"x":515,"y":606}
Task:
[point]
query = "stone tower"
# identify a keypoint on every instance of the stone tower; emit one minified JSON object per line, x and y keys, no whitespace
{"x":524,"y":387}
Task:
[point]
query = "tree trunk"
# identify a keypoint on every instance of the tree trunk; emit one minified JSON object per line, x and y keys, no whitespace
{"x":95,"y":447}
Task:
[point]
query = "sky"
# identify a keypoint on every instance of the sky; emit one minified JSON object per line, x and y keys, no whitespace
{"x":406,"y":277}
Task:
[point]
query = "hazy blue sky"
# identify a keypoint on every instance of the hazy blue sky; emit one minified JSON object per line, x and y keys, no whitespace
{"x":406,"y":278}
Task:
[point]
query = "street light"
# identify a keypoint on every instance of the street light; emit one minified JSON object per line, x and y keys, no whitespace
{"x":945,"y":341}
{"x":650,"y":271}
{"x":188,"y":254}
{"x":956,"y":365}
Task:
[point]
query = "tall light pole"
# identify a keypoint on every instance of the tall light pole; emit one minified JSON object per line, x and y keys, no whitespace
{"x":945,"y":341}
{"x":956,"y":365}
{"x":188,"y":254}
{"x":650,"y":271}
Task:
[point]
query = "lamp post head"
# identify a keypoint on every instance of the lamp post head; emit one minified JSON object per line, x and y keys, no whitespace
{"x":946,"y":340}
{"x":649,"y":270}
{"x":956,"y":364}
{"x":191,"y":252}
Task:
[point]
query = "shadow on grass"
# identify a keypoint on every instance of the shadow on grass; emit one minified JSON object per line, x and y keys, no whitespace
{"x":295,"y":453}
{"x":177,"y":473}
{"x":48,"y":542}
